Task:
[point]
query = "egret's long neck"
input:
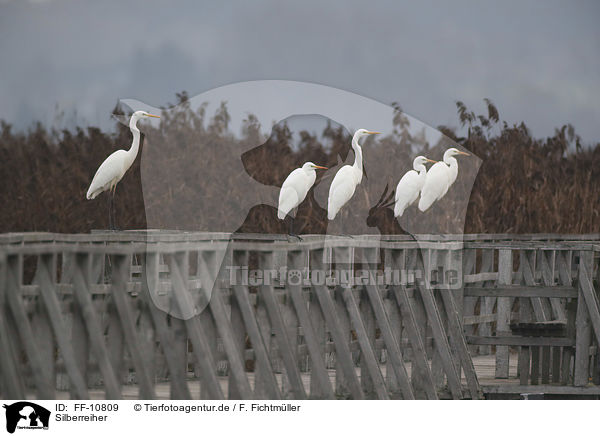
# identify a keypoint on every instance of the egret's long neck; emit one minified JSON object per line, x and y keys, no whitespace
{"x":135,"y":144}
{"x":453,"y":164}
{"x":358,"y":157}
{"x":421,"y":169}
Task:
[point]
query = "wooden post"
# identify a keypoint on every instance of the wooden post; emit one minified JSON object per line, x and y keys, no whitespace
{"x":502,"y":326}
{"x":319,"y":372}
{"x":12,"y":383}
{"x":92,"y":325}
{"x":317,"y":320}
{"x":263,"y":374}
{"x":339,"y":333}
{"x":167,"y":336}
{"x":583,"y":327}
{"x":486,"y":304}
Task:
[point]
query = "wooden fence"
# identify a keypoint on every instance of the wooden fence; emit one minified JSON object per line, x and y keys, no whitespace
{"x":203,"y":315}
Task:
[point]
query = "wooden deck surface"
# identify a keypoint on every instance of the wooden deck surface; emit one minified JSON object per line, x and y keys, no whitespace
{"x":484,"y":366}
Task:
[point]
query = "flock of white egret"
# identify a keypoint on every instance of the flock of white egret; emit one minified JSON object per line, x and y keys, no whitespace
{"x":431,"y":185}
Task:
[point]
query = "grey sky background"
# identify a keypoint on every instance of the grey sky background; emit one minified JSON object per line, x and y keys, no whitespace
{"x":537,"y":60}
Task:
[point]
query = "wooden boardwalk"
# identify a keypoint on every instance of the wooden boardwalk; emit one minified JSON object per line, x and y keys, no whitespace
{"x":185,"y":316}
{"x":485,"y":366}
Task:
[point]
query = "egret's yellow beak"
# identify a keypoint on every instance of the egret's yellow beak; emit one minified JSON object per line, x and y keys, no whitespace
{"x":153,"y":116}
{"x":462,"y":152}
{"x":320,"y":167}
{"x":373,"y":133}
{"x":430,"y":160}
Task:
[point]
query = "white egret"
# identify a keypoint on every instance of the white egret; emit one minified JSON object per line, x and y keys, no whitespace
{"x":347,"y":178}
{"x":295,"y":188}
{"x":439,"y":178}
{"x":410,"y":185}
{"x":112,"y":170}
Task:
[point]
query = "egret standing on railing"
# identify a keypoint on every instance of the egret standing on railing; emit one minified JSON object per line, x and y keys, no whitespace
{"x":410,"y":185}
{"x":294,"y":190}
{"x":347,"y":178}
{"x":112,"y":170}
{"x":439,"y":178}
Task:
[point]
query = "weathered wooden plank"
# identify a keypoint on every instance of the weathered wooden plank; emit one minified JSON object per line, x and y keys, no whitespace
{"x":238,"y":331}
{"x":200,"y":345}
{"x":341,"y":255}
{"x":523,"y":291}
{"x":548,"y":261}
{"x":505,"y":271}
{"x":40,"y":324}
{"x":366,"y":350}
{"x":263,"y":377}
{"x":319,"y":371}
{"x":115,"y":341}
{"x":48,"y":295}
{"x":211,"y":266}
{"x":563,"y":259}
{"x":262,"y":357}
{"x":263,"y":361}
{"x":535,"y":365}
{"x":430,"y":258}
{"x":290,"y":320}
{"x":166,"y":336}
{"x":343,"y":354}
{"x":43,"y":382}
{"x":469,"y":303}
{"x":12,"y":383}
{"x":520,"y":341}
{"x":541,"y":312}
{"x":394,"y":354}
{"x":487,"y":303}
{"x":147,"y":339}
{"x":524,"y":365}
{"x":545,"y":365}
{"x":93,"y":326}
{"x":478,"y":319}
{"x":317,"y":320}
{"x":281,"y":336}
{"x":583,"y":326}
{"x":396,"y":360}
{"x":368,"y":320}
{"x":120,"y":277}
{"x":556,"y":358}
{"x":441,"y":339}
{"x":420,"y":361}
{"x":547,"y":389}
{"x":566,"y":374}
{"x":589,"y":294}
{"x":458,"y":339}
{"x":480,"y":277}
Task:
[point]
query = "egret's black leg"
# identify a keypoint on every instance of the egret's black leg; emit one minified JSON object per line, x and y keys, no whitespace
{"x":114,"y":211}
{"x":110,"y":216}
{"x":291,"y":232}
{"x":343,"y":219}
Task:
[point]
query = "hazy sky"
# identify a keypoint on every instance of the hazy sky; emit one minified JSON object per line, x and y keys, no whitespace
{"x":537,"y":60}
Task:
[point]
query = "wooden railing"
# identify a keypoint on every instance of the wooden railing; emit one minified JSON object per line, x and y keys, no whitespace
{"x":167,"y":314}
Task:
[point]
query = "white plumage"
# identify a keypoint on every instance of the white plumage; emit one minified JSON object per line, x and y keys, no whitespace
{"x":410,"y":185}
{"x":295,"y":188}
{"x":347,"y":178}
{"x":439,"y":179}
{"x":112,"y":170}
{"x":114,"y":167}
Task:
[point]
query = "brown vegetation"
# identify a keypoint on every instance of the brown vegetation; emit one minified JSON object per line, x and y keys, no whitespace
{"x":524,"y":185}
